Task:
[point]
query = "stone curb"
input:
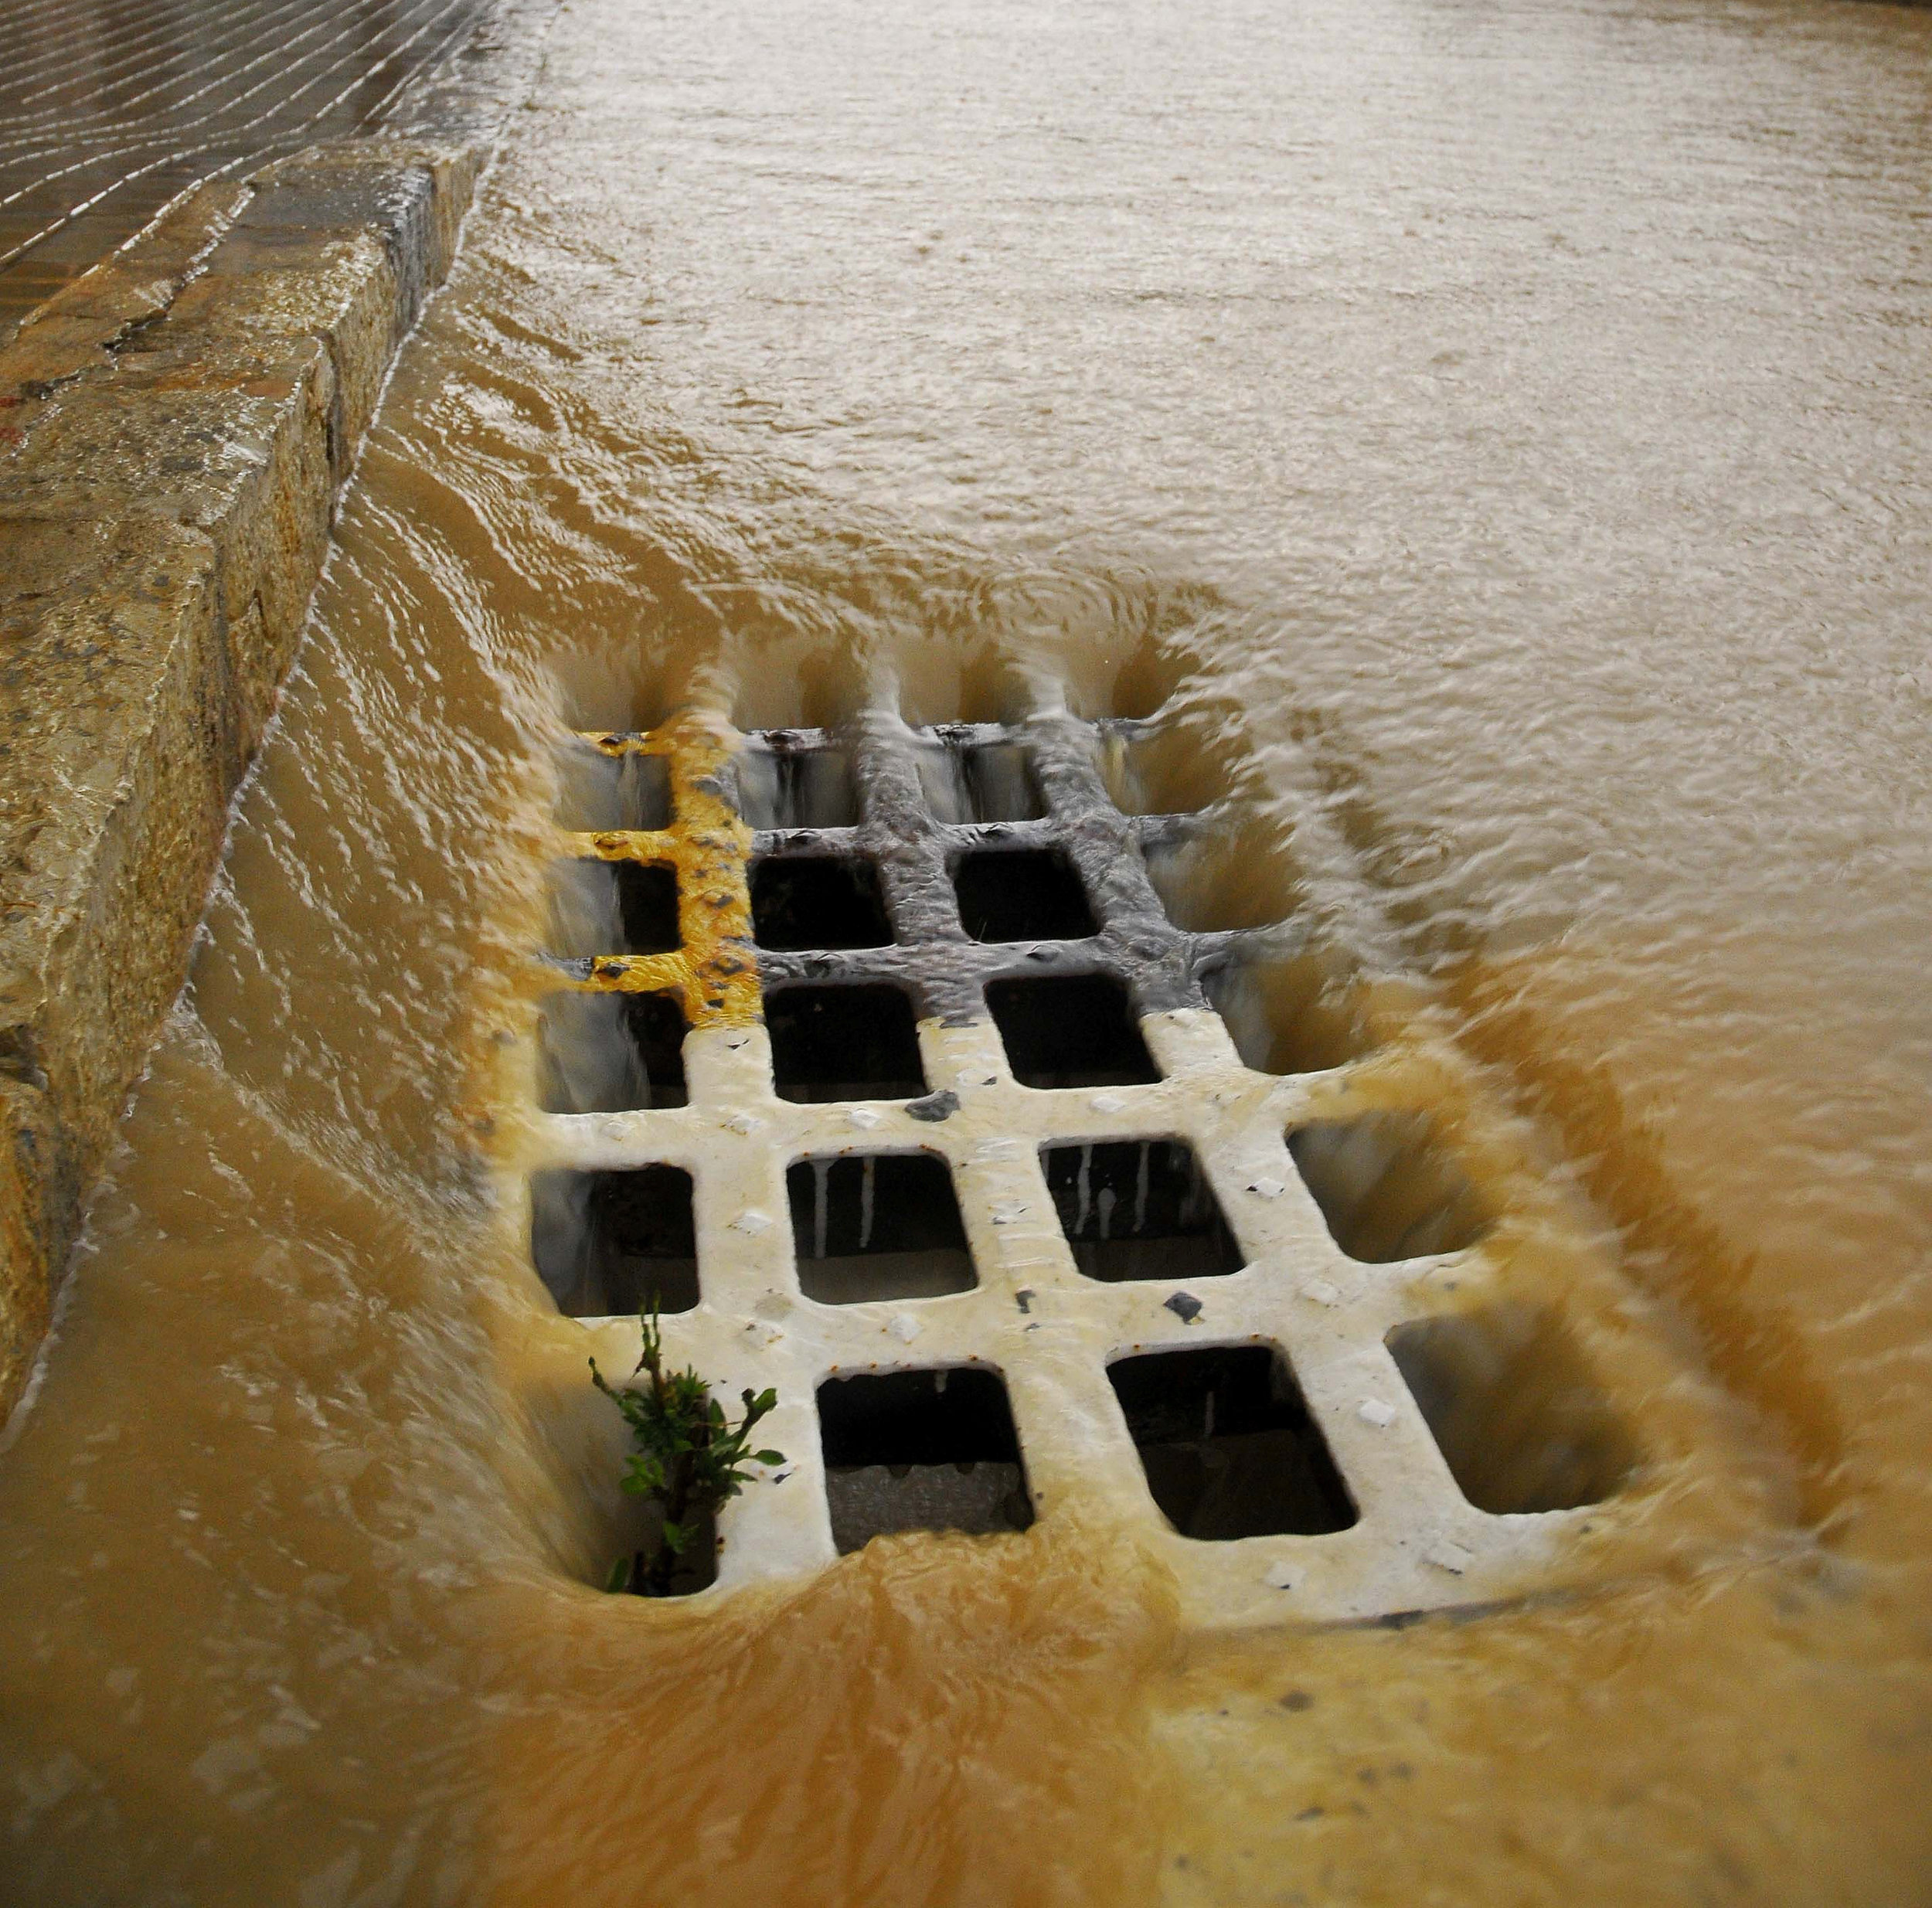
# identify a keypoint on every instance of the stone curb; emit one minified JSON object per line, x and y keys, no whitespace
{"x":174,"y":428}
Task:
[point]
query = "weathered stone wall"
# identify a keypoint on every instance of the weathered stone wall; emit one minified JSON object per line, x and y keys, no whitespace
{"x":174,"y":428}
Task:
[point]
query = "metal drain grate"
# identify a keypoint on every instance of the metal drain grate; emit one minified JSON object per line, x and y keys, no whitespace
{"x":1071,"y":1182}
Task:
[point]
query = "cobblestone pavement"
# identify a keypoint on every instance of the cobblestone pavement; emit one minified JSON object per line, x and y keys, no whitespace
{"x":109,"y":109}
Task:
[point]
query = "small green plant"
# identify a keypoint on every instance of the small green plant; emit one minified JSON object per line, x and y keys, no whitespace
{"x":688,"y":1460}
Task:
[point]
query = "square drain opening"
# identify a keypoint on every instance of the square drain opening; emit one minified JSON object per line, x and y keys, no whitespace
{"x":1175,"y":767}
{"x":783,"y":786}
{"x":1289,"y":1016}
{"x":1022,"y":894}
{"x":811,"y":902}
{"x":920,"y":1451}
{"x":610,"y":1053}
{"x":990,"y":782}
{"x":877,"y":1226}
{"x":696,"y":1569}
{"x":844,"y":1043}
{"x":1072,"y":1030}
{"x":1228,"y":1446}
{"x":1387,"y":1187}
{"x":598,"y":794}
{"x":1227,"y":877}
{"x":1139,"y":1209}
{"x":1518,"y":1418}
{"x":1108,"y":680}
{"x":612,"y":907}
{"x":607,"y":1243}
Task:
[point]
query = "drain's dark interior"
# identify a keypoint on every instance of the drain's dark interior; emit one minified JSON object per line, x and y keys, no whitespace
{"x":697,"y":1568}
{"x":1075,"y":1030}
{"x":609,"y":1244}
{"x":1387,"y":1186}
{"x":877,"y":1226}
{"x":610,"y":1053}
{"x":1228,"y":1445}
{"x":844,"y":1043}
{"x":1022,"y":894}
{"x":612,"y":907}
{"x":1515,"y":1409}
{"x":783,"y":787}
{"x":920,"y":1451}
{"x":817,"y":901}
{"x":1139,"y":1209}
{"x":597,"y":794}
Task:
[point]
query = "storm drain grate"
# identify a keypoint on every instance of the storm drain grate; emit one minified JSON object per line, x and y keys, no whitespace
{"x":956,"y":1156}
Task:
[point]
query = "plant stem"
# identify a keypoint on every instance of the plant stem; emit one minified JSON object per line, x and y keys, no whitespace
{"x":664,"y":1559}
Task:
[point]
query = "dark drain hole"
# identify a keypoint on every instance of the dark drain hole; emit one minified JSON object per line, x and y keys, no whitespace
{"x":1022,"y":894}
{"x":612,"y":907}
{"x":610,"y":1053}
{"x":844,"y":1043}
{"x":817,"y":901}
{"x":1077,"y":1030}
{"x":992,"y":782}
{"x":598,"y":793}
{"x":877,"y":1226}
{"x":785,"y":787}
{"x":1387,"y":1187}
{"x":1514,"y":1410}
{"x":608,"y":1243}
{"x":1139,"y":1209}
{"x":1228,"y":1445}
{"x":697,"y":1568}
{"x":920,"y":1451}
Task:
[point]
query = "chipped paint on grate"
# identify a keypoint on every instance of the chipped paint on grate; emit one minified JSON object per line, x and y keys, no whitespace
{"x":712,"y":973}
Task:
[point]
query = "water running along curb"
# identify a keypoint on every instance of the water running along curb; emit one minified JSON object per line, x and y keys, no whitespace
{"x":175,"y":428}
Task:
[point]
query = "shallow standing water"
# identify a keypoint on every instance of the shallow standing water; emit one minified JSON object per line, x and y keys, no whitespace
{"x":1520,"y":414}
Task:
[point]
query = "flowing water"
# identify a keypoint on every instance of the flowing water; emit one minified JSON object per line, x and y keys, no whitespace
{"x":110,"y":111}
{"x":1515,"y":417}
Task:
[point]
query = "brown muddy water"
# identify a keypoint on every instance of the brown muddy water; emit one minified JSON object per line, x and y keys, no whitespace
{"x":1512,"y":423}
